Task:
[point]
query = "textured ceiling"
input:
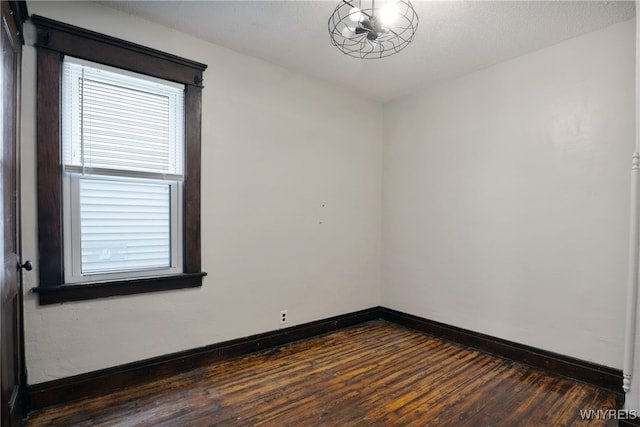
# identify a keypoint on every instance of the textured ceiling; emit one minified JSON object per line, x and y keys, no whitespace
{"x":453,"y":38}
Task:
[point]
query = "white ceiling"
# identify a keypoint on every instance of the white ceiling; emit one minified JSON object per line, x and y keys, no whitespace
{"x":453,"y":38}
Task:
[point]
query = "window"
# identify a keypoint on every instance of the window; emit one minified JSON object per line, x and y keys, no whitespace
{"x":118,"y":166}
{"x":123,"y":163}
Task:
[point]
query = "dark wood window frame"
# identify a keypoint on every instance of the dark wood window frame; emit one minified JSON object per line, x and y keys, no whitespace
{"x":54,"y":41}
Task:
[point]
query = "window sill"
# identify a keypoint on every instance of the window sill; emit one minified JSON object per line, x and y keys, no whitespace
{"x":94,"y":290}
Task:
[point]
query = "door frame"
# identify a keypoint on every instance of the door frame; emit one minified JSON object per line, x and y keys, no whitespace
{"x":14,"y":13}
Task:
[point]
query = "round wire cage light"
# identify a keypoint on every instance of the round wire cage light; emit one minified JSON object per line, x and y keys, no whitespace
{"x":370,"y":29}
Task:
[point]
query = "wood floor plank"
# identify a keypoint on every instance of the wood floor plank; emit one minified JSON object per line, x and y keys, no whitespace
{"x":376,"y":373}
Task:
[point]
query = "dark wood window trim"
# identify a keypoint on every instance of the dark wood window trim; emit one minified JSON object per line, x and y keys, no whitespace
{"x":55,"y":40}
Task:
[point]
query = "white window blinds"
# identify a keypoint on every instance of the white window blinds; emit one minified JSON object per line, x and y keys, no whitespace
{"x":123,"y":158}
{"x":114,"y":122}
{"x":125,"y":225}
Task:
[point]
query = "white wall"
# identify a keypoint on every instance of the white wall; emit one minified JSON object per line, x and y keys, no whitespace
{"x":276,"y":147}
{"x":505,"y":206}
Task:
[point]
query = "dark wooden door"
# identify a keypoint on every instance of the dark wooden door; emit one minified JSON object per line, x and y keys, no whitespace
{"x":10,"y":283}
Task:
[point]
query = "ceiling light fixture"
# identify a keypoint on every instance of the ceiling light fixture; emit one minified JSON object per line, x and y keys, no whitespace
{"x":368,"y":29}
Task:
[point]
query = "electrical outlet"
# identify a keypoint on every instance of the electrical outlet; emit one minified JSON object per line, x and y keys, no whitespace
{"x":283,"y":317}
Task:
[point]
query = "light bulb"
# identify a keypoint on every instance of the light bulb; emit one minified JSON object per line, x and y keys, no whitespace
{"x":355,"y":14}
{"x":389,"y":14}
{"x":348,"y":32}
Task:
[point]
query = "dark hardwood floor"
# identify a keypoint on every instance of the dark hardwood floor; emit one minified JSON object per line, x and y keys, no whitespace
{"x":375,"y":373}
